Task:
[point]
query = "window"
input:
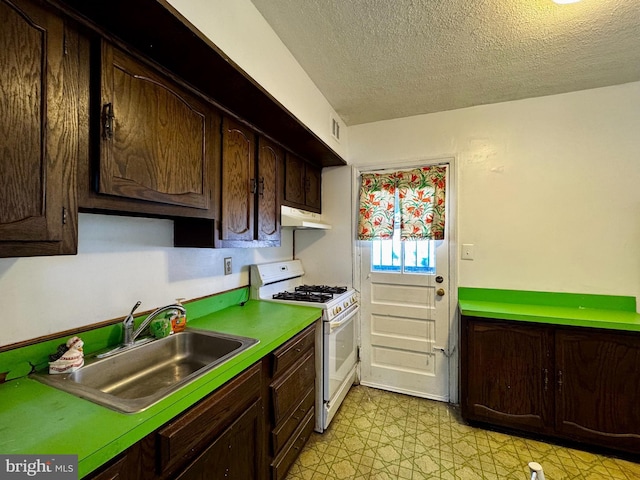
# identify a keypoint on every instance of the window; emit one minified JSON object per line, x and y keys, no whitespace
{"x":402,"y":214}
{"x":409,"y":256}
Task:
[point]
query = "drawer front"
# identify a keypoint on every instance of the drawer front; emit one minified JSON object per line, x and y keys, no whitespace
{"x":115,"y":471}
{"x":177,"y":441}
{"x":288,"y":390}
{"x":292,"y":351}
{"x":292,"y":449}
{"x":283,"y":432}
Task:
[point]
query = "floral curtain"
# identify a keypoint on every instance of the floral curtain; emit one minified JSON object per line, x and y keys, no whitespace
{"x":420,"y":194}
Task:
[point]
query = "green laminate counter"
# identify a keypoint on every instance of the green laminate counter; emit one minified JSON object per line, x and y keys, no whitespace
{"x":38,"y":419}
{"x":569,"y":309}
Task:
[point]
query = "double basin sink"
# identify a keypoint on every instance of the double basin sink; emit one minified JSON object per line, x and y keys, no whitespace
{"x":134,"y":379}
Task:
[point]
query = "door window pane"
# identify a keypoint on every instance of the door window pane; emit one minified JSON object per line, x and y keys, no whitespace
{"x":412,"y":256}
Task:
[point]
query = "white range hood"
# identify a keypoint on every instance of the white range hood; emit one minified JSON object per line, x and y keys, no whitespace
{"x":301,"y":219}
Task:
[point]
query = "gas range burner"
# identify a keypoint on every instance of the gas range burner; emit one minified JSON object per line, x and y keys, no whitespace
{"x":321,"y":289}
{"x":302,"y":296}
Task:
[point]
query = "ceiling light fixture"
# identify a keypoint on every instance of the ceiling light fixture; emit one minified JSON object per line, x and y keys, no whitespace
{"x":564,"y":2}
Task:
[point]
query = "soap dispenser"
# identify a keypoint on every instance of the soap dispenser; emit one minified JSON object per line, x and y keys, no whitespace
{"x":179,"y":320}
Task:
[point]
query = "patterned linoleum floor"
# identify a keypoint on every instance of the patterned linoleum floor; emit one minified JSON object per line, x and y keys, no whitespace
{"x":381,"y":435}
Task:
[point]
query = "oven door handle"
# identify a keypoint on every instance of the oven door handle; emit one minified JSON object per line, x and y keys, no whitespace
{"x":336,"y":325}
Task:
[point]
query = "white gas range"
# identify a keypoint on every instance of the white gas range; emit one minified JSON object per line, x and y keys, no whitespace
{"x":336,"y":339}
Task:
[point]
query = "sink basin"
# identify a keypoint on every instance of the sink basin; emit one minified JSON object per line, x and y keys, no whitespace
{"x":134,"y":379}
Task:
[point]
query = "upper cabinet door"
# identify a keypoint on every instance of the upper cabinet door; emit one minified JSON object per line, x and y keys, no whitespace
{"x":302,"y":184}
{"x":294,"y":180}
{"x":238,"y":181}
{"x":269,"y":161}
{"x":38,"y":132}
{"x":156,"y":136}
{"x":313,"y":187}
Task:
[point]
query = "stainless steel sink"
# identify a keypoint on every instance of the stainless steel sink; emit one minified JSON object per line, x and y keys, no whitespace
{"x":136,"y":378}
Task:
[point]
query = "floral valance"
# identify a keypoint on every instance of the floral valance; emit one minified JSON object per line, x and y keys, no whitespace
{"x":420,"y":198}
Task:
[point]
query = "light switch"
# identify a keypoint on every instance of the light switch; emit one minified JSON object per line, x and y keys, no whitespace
{"x":467,"y":251}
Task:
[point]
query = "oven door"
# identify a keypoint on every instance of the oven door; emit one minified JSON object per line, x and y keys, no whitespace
{"x":340,"y":352}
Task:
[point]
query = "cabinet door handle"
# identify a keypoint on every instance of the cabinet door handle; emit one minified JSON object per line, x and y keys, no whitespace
{"x":559,"y":381}
{"x":546,"y":379}
{"x":261,"y":186}
{"x":108,"y":120}
{"x":307,"y":184}
{"x":253,"y":185}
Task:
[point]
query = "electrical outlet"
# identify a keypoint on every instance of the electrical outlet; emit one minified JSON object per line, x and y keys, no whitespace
{"x":227,"y":266}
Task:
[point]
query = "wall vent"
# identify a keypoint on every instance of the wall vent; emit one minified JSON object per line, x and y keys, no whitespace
{"x":335,"y":128}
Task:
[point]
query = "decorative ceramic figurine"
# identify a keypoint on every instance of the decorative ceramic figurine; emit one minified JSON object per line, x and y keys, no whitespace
{"x":71,"y":360}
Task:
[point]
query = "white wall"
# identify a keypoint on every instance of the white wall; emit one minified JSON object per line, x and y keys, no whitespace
{"x":122,"y":260}
{"x":548,"y":188}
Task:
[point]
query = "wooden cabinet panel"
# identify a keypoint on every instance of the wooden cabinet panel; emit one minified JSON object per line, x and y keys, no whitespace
{"x":178,"y":441}
{"x":250,"y":214}
{"x":155,"y":136}
{"x":313,"y":187}
{"x":290,"y":452}
{"x":291,"y":352}
{"x":294,"y":180}
{"x":285,"y":429}
{"x":287,"y":390}
{"x":508,"y":374}
{"x":268,"y":215}
{"x":576,"y":383}
{"x":292,"y":393}
{"x":235,"y":454}
{"x":302,"y":184}
{"x":39,"y":131}
{"x":238,"y":181}
{"x":598,"y":387}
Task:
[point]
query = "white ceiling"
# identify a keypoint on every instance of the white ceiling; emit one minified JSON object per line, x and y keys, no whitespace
{"x":381,"y":59}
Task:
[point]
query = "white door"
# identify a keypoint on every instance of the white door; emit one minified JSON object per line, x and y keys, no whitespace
{"x":405,"y":317}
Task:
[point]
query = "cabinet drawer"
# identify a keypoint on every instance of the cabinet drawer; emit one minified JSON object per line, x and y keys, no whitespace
{"x":115,"y":471}
{"x":283,"y":432}
{"x":178,"y":441}
{"x":283,"y":462}
{"x":292,"y":351}
{"x":287,"y":391}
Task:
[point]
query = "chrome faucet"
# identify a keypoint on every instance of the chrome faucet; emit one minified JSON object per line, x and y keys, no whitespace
{"x":130,"y":334}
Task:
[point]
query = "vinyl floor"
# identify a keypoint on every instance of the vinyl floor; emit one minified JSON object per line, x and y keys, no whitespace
{"x":382,"y":435}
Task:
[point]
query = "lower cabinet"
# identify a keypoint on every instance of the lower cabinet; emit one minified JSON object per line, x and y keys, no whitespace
{"x":292,"y":400}
{"x":234,"y":454}
{"x":251,"y":428}
{"x":574,"y":383}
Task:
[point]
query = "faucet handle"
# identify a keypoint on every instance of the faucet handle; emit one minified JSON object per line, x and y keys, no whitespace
{"x":135,"y":307}
{"x":129,"y":318}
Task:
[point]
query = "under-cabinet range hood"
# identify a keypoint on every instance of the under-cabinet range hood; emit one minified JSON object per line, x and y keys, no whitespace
{"x":295,"y":218}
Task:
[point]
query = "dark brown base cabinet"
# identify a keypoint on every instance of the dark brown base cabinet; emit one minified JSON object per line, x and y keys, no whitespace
{"x":292,"y":400}
{"x":251,"y":428}
{"x":574,"y":383}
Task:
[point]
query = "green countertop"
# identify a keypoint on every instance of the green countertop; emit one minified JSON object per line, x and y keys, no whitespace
{"x":38,"y":419}
{"x":569,"y":309}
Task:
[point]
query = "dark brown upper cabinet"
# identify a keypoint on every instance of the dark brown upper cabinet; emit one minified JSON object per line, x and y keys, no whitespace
{"x":268,"y":216}
{"x":302,"y":184}
{"x":158,"y":142}
{"x":250,"y":207}
{"x":238,"y":182}
{"x":38,"y":131}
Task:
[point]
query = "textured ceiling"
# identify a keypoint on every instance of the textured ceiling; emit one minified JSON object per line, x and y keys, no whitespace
{"x":381,"y":59}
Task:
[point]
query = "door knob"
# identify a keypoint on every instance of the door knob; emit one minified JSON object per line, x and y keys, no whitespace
{"x":440,"y":292}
